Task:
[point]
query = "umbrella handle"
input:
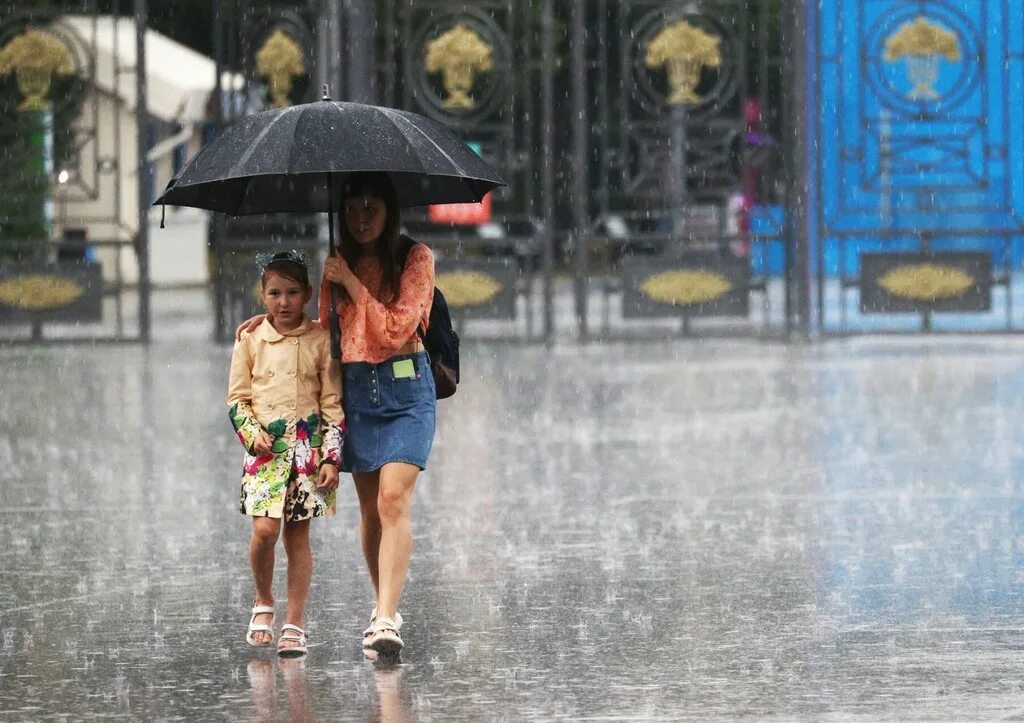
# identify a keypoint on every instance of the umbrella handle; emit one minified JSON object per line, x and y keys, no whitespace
{"x":335,"y":321}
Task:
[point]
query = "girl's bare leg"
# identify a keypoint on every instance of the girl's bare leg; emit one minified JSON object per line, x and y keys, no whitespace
{"x":300,"y":571}
{"x":265,"y":531}
{"x":367,"y":485}
{"x":394,"y":508}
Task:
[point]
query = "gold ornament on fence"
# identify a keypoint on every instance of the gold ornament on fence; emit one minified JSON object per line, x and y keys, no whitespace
{"x":39,"y":292}
{"x":458,"y":55}
{"x":926,"y":282}
{"x":921,"y":44}
{"x":685,"y":287}
{"x":35,"y":57}
{"x":468,"y":288}
{"x":684,"y":50}
{"x":280,"y":60}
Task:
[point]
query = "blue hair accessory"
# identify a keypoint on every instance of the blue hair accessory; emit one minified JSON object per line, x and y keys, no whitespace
{"x":265,"y":258}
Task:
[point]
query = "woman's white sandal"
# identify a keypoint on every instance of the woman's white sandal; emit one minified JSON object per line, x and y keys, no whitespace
{"x":254,"y":628}
{"x":385,"y":638}
{"x":298,"y":637}
{"x":368,"y":633}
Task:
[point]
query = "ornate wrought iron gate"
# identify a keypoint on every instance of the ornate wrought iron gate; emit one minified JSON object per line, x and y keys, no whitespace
{"x":917,"y":172}
{"x":266,"y":57}
{"x":485,"y":70}
{"x":678,"y":180}
{"x":72,"y":265}
{"x":451,"y":61}
{"x":671,"y":155}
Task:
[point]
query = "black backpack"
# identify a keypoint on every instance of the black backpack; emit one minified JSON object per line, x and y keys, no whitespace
{"x":440,"y":340}
{"x":442,"y":344}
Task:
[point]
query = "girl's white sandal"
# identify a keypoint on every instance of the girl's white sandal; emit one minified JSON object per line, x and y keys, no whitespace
{"x":254,"y":628}
{"x":298,"y":637}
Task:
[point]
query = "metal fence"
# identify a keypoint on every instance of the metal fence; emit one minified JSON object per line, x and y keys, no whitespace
{"x":699,"y":168}
{"x":916,"y":173}
{"x":73,"y":262}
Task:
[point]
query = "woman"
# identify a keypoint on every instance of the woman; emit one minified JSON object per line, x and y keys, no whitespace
{"x":386,"y":286}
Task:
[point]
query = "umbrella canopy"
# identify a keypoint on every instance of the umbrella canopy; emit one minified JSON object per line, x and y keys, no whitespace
{"x":286,"y":160}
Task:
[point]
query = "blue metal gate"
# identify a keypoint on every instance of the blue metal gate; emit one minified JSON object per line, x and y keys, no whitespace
{"x":915,"y":178}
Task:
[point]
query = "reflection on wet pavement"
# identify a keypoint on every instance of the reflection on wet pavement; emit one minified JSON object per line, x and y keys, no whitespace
{"x":661,"y":531}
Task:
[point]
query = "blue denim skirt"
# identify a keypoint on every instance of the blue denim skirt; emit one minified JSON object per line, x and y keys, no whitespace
{"x":388,"y":419}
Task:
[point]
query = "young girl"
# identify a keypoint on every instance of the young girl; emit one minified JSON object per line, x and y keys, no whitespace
{"x":284,"y":399}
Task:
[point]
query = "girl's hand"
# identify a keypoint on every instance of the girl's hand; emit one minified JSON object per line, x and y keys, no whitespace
{"x":337,"y":271}
{"x":263,"y":444}
{"x":328,"y":477}
{"x":249,"y":325}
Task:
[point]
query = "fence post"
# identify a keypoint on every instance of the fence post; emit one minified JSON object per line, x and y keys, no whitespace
{"x":580,"y":166}
{"x":799,"y":211}
{"x":361,"y":62}
{"x":547,"y":165}
{"x":144,"y":190}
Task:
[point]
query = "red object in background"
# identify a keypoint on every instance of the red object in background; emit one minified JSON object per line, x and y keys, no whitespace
{"x":750,"y":177}
{"x":461,"y":214}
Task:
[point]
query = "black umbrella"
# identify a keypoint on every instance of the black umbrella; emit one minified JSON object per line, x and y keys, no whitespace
{"x":292,"y":159}
{"x":289,"y":159}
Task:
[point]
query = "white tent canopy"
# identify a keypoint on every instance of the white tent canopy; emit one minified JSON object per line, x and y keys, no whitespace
{"x":179,"y":79}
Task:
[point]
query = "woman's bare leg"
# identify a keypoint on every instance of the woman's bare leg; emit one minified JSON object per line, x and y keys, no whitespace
{"x":394,"y":508}
{"x":367,"y":484}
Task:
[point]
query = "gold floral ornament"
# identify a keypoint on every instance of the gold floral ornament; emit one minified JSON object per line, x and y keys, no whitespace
{"x":922,"y":44}
{"x":685,"y":287}
{"x":280,"y":60}
{"x":468,"y":288}
{"x":35,"y":57}
{"x":926,"y":282}
{"x":459,"y":55}
{"x":684,"y":50}
{"x":39,"y":292}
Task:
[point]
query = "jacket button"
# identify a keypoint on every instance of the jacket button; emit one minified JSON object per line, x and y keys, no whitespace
{"x":291,"y":374}
{"x":294,"y":342}
{"x":270,"y":373}
{"x":270,"y":406}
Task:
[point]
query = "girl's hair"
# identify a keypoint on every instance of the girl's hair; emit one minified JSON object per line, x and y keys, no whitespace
{"x":392,"y":247}
{"x":288,"y":264}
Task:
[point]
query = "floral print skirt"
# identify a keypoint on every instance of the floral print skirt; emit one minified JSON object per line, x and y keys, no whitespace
{"x":295,"y":498}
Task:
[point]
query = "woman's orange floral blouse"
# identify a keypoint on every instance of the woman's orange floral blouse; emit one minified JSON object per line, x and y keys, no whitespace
{"x":372,"y":328}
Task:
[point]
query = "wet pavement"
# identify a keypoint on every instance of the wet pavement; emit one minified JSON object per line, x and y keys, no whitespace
{"x":643,"y":531}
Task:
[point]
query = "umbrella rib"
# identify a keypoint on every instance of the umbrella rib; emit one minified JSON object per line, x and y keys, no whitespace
{"x":241,"y":196}
{"x":256,"y":141}
{"x":395,"y":117}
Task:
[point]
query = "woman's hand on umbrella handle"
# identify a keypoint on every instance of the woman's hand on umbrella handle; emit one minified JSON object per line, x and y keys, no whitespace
{"x":336,"y":270}
{"x":249,"y":325}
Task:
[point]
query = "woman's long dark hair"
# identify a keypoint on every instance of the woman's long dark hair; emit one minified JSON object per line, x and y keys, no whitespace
{"x":392,"y":247}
